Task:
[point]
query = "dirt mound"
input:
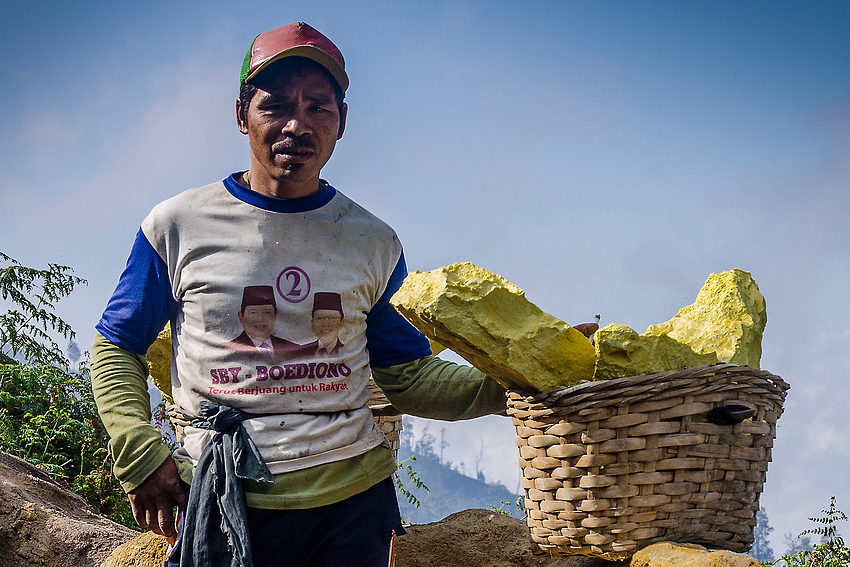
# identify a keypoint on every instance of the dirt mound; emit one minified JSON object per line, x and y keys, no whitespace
{"x":44,"y":525}
{"x":477,"y":538}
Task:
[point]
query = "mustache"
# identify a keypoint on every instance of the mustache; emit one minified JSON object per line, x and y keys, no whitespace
{"x":288,"y":144}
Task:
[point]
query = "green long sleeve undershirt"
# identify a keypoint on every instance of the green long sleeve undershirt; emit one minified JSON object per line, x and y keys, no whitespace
{"x":119,"y":382}
{"x":438,"y":389}
{"x":427,"y":387}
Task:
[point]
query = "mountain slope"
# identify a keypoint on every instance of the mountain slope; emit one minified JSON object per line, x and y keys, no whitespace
{"x":449,"y":490}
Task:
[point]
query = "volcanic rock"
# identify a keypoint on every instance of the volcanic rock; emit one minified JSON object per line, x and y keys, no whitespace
{"x":666,"y":554}
{"x":146,"y":550}
{"x":44,"y":525}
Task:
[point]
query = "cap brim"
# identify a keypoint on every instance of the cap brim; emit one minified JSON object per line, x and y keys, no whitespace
{"x":316,"y":54}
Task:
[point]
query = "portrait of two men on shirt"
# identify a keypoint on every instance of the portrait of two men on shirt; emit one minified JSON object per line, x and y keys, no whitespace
{"x":258,"y":316}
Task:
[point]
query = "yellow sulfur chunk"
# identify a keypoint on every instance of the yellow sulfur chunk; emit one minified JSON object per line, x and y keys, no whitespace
{"x":436,"y":348}
{"x":620,"y":351}
{"x":159,"y":362}
{"x":727,"y":318}
{"x":489,"y":322}
{"x":725,"y":324}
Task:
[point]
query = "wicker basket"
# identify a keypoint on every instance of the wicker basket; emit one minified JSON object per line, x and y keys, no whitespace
{"x":612,"y":466}
{"x":386,"y":416}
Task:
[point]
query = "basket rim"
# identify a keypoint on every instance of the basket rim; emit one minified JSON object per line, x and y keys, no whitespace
{"x":613,"y":386}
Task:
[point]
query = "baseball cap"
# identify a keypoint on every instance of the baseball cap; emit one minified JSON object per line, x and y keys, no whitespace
{"x":298,"y":39}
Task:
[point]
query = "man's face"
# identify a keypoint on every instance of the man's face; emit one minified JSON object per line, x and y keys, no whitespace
{"x":258,"y":321}
{"x":293,"y":122}
{"x":327,"y":324}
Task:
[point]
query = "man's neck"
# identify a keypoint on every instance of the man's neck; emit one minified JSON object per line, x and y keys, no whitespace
{"x":255,"y":180}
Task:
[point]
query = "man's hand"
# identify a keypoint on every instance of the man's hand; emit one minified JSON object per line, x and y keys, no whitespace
{"x":154,"y":500}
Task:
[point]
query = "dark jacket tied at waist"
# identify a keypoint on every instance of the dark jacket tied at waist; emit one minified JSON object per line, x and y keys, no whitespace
{"x":215,"y":533}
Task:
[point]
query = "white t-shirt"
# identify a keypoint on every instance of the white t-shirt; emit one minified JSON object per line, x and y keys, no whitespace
{"x":201,"y":255}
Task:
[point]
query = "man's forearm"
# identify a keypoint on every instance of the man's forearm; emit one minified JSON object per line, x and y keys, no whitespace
{"x":119,"y":382}
{"x":438,"y":389}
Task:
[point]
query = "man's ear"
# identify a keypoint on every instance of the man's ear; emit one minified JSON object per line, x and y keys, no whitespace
{"x":240,"y":120}
{"x":341,"y":121}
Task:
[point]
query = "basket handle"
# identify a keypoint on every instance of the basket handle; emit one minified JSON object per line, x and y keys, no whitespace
{"x":730,"y":414}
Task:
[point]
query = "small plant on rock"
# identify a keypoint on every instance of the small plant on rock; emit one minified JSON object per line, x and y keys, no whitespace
{"x":519,"y":504}
{"x":412,"y":479}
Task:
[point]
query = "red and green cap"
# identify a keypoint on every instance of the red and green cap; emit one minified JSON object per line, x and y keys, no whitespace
{"x":298,"y":39}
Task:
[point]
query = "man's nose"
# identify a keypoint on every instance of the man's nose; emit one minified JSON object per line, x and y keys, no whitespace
{"x":297,"y":125}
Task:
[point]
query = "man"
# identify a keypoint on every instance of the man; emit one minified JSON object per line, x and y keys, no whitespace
{"x":258,"y":314}
{"x":321,"y":491}
{"x":327,"y":321}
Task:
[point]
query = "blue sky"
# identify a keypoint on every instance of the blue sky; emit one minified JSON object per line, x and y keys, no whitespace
{"x":604,"y":156}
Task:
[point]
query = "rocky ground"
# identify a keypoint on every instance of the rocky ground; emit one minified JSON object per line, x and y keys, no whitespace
{"x":44,"y":525}
{"x":478,"y":538}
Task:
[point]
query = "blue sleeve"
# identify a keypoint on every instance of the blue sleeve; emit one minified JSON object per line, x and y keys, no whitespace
{"x":390,"y":339}
{"x":142,"y":302}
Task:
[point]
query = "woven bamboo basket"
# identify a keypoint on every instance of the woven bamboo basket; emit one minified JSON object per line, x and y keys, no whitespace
{"x":612,"y":466}
{"x":386,"y":416}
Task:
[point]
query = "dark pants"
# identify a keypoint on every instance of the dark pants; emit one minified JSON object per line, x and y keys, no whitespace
{"x":357,"y":532}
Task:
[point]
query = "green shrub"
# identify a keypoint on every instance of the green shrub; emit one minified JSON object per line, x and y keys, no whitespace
{"x":48,"y":414}
{"x":25,"y":330}
{"x":831,"y":552}
{"x":48,"y":417}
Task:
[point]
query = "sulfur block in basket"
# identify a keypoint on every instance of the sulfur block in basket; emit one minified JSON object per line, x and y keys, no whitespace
{"x":489,"y":322}
{"x":727,"y":318}
{"x":620,"y":351}
{"x":724,"y":324}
